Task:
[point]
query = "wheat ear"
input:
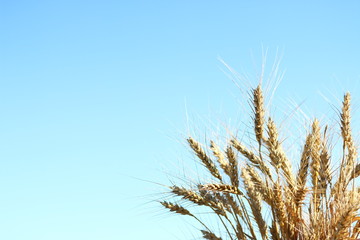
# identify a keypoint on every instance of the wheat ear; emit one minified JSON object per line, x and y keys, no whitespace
{"x":222,"y":188}
{"x":303,"y":171}
{"x":324,"y":174}
{"x":209,"y":164}
{"x":233,"y":166}
{"x":254,"y":199}
{"x":176,"y":208}
{"x":315,"y":163}
{"x":258,"y":102}
{"x":220,"y":156}
{"x":277,"y":154}
{"x":253,"y":159}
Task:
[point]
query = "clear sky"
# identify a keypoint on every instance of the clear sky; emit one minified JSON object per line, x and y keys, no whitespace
{"x":94,"y":94}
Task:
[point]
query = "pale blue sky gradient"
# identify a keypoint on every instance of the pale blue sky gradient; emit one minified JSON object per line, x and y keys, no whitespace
{"x":93,"y":94}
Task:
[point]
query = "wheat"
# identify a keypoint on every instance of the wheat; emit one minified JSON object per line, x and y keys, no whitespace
{"x":315,"y":163}
{"x":345,"y":119}
{"x":259,"y":184}
{"x":350,"y":156}
{"x":279,"y":207}
{"x":303,"y":171}
{"x":277,"y":154}
{"x":220,"y":156}
{"x":175,"y":208}
{"x":204,"y":158}
{"x":255,"y":200}
{"x":259,"y":113}
{"x":222,"y":188}
{"x":233,"y":167}
{"x":188,"y":195}
{"x":265,"y":200}
{"x":254,"y":159}
{"x":324,"y":172}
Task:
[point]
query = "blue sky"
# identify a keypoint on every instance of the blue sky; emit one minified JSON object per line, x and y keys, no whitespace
{"x":95,"y":94}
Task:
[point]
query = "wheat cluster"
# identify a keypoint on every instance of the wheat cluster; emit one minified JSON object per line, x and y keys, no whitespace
{"x":264,"y":197}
